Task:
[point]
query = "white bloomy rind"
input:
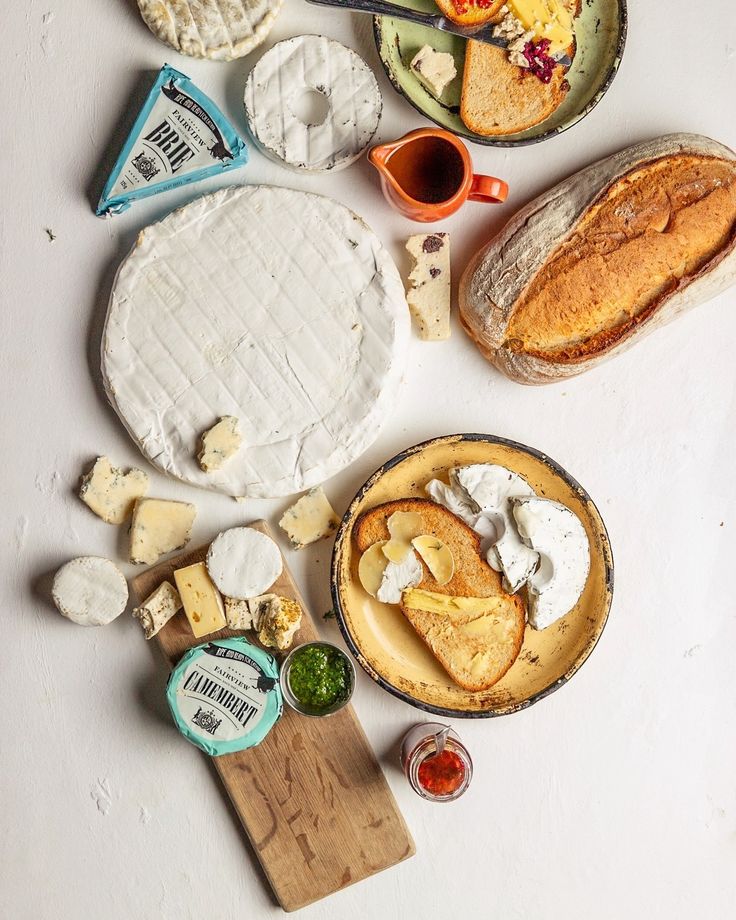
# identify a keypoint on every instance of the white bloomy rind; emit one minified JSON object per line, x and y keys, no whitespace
{"x":295,"y":66}
{"x":491,"y":487}
{"x":90,"y":591}
{"x":559,"y":537}
{"x":277,"y":306}
{"x":243,"y":562}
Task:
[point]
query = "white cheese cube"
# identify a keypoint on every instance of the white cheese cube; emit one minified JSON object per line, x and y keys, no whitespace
{"x":433,"y":69}
{"x":238,"y":614}
{"x":159,"y":526}
{"x":429,"y":294}
{"x":110,"y":492}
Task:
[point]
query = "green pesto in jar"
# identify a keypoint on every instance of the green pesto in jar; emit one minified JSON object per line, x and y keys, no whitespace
{"x":319,"y":676}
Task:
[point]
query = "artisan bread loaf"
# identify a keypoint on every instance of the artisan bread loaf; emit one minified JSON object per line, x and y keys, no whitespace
{"x":610,"y":254}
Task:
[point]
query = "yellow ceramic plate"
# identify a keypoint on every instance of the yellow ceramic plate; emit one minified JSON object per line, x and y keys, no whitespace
{"x":387,"y":647}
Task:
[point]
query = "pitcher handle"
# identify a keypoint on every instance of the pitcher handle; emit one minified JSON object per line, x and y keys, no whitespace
{"x":488,"y":189}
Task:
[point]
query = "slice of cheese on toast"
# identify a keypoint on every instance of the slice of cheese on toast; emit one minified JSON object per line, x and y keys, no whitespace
{"x":471,"y":626}
{"x":500,"y":98}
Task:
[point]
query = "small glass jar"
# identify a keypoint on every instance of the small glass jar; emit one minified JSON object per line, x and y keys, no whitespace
{"x":436,"y":776}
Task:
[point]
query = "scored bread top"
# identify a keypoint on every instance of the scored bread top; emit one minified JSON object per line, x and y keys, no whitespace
{"x":652,"y":229}
{"x":473,"y":577}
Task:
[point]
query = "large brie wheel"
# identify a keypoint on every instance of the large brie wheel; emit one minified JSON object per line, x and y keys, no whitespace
{"x":209,"y":28}
{"x":298,"y":65}
{"x":278,"y":307}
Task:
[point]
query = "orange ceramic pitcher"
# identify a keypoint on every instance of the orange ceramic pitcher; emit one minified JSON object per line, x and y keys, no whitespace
{"x":427,"y":175}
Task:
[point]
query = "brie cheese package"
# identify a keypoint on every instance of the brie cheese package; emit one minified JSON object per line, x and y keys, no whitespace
{"x":180,"y":136}
{"x":224,"y":696}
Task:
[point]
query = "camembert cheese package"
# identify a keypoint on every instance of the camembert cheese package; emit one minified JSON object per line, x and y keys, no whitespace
{"x":180,"y":136}
{"x":225,"y":695}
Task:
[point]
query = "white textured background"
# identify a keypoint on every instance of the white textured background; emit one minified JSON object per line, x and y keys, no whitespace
{"x":614,"y":797}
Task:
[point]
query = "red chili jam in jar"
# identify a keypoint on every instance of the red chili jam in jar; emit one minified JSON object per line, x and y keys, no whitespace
{"x":437,"y":775}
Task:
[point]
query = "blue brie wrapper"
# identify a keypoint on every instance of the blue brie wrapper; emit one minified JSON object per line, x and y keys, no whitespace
{"x":180,"y":136}
{"x":225,"y":695}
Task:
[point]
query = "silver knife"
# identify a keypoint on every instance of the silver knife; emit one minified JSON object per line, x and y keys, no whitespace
{"x":479,"y":33}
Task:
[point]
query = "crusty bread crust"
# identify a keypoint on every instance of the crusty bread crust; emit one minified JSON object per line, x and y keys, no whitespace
{"x":501,"y":275}
{"x":473,"y":577}
{"x":474,"y":15}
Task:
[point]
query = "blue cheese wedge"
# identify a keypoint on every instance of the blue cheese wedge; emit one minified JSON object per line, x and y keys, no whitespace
{"x":110,"y":492}
{"x":429,"y":291}
{"x":310,"y":519}
{"x":219,"y":444}
{"x":90,"y":591}
{"x":237,"y":613}
{"x":434,"y":69}
{"x":159,"y":527}
{"x":156,"y":611}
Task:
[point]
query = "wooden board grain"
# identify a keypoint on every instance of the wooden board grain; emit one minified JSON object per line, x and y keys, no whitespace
{"x":311,"y":797}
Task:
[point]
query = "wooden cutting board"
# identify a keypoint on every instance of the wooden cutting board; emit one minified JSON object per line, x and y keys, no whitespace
{"x":311,"y":797}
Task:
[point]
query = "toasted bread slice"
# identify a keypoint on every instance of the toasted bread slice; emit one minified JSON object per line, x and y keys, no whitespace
{"x":500,"y":98}
{"x":475,"y":646}
{"x":470,"y":12}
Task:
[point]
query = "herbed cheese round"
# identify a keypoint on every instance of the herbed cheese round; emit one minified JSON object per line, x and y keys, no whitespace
{"x":312,"y":64}
{"x":281,"y":308}
{"x":243,"y":563}
{"x":90,"y":591}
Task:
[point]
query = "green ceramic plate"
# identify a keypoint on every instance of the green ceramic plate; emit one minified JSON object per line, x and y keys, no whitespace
{"x":600,"y":32}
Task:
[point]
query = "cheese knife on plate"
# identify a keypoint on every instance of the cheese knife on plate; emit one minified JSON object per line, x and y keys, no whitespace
{"x":479,"y":33}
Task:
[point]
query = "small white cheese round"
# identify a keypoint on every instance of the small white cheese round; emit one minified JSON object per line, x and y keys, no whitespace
{"x":90,"y":591}
{"x":243,"y":563}
{"x":208,"y":28}
{"x":281,"y":78}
